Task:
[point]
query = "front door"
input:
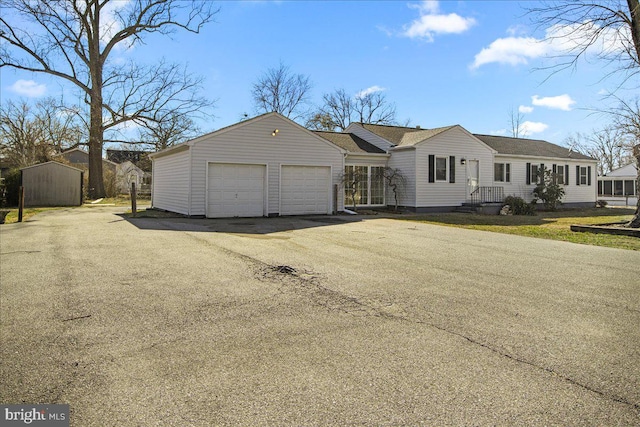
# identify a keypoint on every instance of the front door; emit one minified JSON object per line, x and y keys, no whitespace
{"x":473,"y":176}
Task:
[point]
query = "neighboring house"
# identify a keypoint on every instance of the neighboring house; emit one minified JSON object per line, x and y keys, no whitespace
{"x":80,"y":158}
{"x":618,"y":187}
{"x":270,"y":165}
{"x":121,"y":156}
{"x":128,"y":173}
{"x":52,"y":184}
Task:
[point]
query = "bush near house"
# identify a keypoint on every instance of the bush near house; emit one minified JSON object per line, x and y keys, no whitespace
{"x":518,"y":206}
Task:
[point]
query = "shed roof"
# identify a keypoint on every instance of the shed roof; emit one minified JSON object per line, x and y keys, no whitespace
{"x":529,"y":147}
{"x":51,"y":163}
{"x":350,"y":142}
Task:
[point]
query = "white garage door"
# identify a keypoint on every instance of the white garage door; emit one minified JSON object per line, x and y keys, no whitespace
{"x":235,"y":190}
{"x":305,"y":190}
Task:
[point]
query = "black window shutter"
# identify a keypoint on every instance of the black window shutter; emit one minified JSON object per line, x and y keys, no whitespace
{"x":540,"y":179}
{"x":528,"y":173}
{"x":452,"y":169}
{"x":588,"y":175}
{"x":577,"y":175}
{"x":432,"y":168}
{"x":566,"y":174}
{"x":507,"y":172}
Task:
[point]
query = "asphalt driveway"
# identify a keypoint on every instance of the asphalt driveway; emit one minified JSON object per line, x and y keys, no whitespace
{"x":314,"y":322}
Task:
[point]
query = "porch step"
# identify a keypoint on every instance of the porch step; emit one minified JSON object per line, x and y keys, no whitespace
{"x":467,"y":208}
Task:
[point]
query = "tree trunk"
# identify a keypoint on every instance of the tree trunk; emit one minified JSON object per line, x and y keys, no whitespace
{"x":635,"y":221}
{"x":96,"y":131}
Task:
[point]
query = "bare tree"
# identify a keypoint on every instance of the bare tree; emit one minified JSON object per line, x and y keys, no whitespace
{"x":610,"y":28}
{"x":279,"y":90}
{"x":75,"y":41}
{"x":340,"y":109}
{"x":168,"y":131}
{"x":35,"y":134}
{"x":610,"y":146}
{"x":396,"y":181}
{"x":515,"y":123}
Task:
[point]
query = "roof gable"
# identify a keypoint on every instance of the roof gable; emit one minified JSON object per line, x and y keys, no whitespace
{"x":529,"y":147}
{"x":350,"y":142}
{"x":628,"y":170}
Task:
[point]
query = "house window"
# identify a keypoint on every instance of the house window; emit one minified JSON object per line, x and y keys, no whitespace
{"x":365,"y":184}
{"x":608,"y":188}
{"x":583,"y":175}
{"x":441,"y":169}
{"x":629,"y":188}
{"x":502,"y":172}
{"x":559,"y":176}
{"x":617,"y":188}
{"x":535,"y":170}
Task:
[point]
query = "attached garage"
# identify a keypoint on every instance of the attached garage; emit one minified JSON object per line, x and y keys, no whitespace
{"x":235,"y":190}
{"x":265,"y":166}
{"x":305,"y":190}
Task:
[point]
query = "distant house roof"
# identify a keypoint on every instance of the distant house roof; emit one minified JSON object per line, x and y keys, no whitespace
{"x":529,"y":147}
{"x":119,"y":156}
{"x":630,"y":170}
{"x":350,"y":142}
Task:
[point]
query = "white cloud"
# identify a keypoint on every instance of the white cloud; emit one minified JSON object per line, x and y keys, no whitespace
{"x":512,"y":51}
{"x":369,"y":90}
{"x":525,"y":109}
{"x":28,"y":88}
{"x":528,"y":128}
{"x":560,"y":102}
{"x":431,"y":22}
{"x":498,"y":132}
{"x":559,"y":40}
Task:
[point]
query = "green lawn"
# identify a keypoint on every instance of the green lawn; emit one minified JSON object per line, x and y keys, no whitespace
{"x":545,"y":225}
{"x":27,"y":213}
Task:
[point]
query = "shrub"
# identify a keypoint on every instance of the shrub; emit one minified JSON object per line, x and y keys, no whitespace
{"x":519,"y":206}
{"x":548,"y":190}
{"x":12,"y":187}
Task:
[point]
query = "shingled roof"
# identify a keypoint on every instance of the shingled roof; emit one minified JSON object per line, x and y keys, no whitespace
{"x":529,"y":147}
{"x":403,"y":136}
{"x":393,"y":134}
{"x":349,"y":142}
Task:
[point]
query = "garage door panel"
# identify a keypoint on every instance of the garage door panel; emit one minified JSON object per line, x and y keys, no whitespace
{"x":235,"y":190}
{"x":305,"y":190}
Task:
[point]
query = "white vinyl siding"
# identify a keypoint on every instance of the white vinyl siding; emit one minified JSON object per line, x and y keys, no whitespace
{"x":405,"y":162}
{"x":454,"y":142}
{"x":305,"y":190}
{"x":573,"y":193}
{"x":171,"y":182}
{"x":254,"y":144}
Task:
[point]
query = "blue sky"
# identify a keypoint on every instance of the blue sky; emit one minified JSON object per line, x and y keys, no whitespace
{"x":440,"y":63}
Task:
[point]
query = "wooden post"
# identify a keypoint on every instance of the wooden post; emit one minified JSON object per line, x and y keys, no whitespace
{"x":20,"y":203}
{"x":133,"y":199}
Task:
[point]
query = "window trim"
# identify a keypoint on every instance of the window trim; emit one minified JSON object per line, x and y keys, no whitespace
{"x":506,"y":173}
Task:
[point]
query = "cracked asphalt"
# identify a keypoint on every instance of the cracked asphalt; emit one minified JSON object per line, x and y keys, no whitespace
{"x":319,"y":321}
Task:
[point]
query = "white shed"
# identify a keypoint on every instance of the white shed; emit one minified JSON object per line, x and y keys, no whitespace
{"x":265,"y":166}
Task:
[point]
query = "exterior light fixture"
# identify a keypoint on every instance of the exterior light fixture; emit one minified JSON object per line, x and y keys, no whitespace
{"x":275,"y":132}
{"x":463,"y":161}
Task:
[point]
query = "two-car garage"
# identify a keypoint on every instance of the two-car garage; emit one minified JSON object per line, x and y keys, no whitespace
{"x":249,"y":170}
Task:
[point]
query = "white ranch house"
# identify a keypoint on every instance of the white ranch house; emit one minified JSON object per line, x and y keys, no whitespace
{"x":270,"y":166}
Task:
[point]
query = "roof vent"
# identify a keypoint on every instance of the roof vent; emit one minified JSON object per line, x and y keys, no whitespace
{"x":418,"y":127}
